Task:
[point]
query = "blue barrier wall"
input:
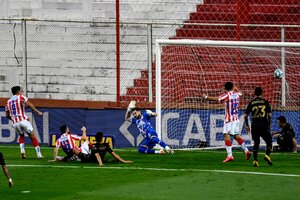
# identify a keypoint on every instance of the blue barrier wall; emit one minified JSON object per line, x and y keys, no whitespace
{"x":111,"y":121}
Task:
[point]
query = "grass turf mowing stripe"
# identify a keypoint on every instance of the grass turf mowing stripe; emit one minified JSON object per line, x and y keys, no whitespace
{"x":160,"y":169}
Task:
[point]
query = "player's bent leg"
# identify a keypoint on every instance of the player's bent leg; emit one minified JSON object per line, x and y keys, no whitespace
{"x":243,"y":145}
{"x":35,"y":143}
{"x":268,"y":139}
{"x":22,"y":145}
{"x":156,"y":140}
{"x":146,"y":150}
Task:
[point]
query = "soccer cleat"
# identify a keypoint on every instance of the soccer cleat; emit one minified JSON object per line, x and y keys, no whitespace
{"x":23,"y":155}
{"x":10,"y":182}
{"x":39,"y":155}
{"x":170,"y":151}
{"x":255,"y":163}
{"x":228,"y":159}
{"x":248,"y":155}
{"x":268,"y":159}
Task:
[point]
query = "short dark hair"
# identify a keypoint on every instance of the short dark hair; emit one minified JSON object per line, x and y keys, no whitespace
{"x":63,"y":128}
{"x":258,"y":91}
{"x":282,"y":119}
{"x":137,"y":109}
{"x":228,"y":86}
{"x":99,"y":136}
{"x":15,"y":89}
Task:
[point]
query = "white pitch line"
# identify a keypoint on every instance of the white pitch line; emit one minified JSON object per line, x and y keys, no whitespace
{"x":159,"y":169}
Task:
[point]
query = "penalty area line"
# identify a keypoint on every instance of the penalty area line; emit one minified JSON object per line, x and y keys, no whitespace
{"x":158,"y":169}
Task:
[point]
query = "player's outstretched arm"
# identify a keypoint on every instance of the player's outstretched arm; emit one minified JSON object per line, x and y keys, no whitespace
{"x":131,"y":105}
{"x":127,"y":115}
{"x":99,"y":159}
{"x":83,"y":129}
{"x":205,"y":96}
{"x":55,"y":152}
{"x":28,"y":103}
{"x":6,"y":172}
{"x":294,"y":145}
{"x":117,"y":157}
{"x":237,"y":90}
{"x":247,"y":123}
{"x":152,"y":114}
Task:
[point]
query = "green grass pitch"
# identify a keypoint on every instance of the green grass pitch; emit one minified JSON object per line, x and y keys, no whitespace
{"x":184,"y":175}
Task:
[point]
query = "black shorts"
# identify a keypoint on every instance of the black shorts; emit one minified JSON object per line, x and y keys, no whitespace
{"x":261,"y":131}
{"x":2,"y":161}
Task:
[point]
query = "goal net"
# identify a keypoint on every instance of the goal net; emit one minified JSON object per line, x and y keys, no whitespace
{"x":185,"y":69}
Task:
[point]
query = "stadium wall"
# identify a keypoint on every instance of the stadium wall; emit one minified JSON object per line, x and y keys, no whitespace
{"x":111,"y":121}
{"x":77,"y":61}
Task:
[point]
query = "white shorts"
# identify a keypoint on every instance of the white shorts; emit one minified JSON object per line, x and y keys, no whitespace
{"x":232,"y":128}
{"x":23,"y":127}
{"x":85,"y":147}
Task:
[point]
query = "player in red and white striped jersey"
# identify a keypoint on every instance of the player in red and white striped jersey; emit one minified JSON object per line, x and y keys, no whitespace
{"x":231,"y":121}
{"x":15,"y":111}
{"x":67,"y":143}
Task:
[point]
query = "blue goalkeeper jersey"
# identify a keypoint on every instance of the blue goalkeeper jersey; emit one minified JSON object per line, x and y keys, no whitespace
{"x":143,"y":124}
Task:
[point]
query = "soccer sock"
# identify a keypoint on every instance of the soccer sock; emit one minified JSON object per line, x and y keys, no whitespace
{"x":268,"y":151}
{"x":37,"y":149}
{"x":34,"y":141}
{"x":22,"y":144}
{"x":228,"y":147}
{"x":22,"y":147}
{"x":255,"y":152}
{"x":167,"y":148}
{"x":243,"y":145}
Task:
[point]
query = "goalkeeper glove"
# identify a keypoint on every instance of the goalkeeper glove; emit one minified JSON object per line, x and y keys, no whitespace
{"x":149,"y":112}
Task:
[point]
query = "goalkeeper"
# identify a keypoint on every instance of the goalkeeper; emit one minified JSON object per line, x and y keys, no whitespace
{"x":142,"y":120}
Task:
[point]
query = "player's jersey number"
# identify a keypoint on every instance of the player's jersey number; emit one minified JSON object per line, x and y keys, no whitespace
{"x":234,"y":107}
{"x":13,"y":109}
{"x":259,"y":111}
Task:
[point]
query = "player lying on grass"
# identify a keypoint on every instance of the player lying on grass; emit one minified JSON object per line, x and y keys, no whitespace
{"x":15,"y":111}
{"x":142,"y":120}
{"x":231,"y":99}
{"x":67,"y":143}
{"x":99,"y":149}
{"x":5,"y":170}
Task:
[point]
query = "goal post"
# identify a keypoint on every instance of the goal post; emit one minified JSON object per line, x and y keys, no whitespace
{"x":187,"y":68}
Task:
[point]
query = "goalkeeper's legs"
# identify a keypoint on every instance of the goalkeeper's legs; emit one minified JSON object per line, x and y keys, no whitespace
{"x":145,"y":150}
{"x":156,"y":140}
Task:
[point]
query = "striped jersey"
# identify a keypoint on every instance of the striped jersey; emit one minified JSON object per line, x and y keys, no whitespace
{"x":67,"y":142}
{"x":16,"y":107}
{"x":231,"y":100}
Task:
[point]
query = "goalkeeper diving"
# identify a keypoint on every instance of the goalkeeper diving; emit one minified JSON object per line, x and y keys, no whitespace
{"x":142,"y":120}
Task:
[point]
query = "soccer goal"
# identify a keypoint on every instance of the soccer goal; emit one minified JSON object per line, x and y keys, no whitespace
{"x":185,"y":69}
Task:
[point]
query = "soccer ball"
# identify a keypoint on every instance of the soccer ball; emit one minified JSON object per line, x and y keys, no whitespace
{"x":278,"y":73}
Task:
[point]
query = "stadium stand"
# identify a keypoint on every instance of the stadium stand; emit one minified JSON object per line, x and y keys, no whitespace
{"x":277,"y":12}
